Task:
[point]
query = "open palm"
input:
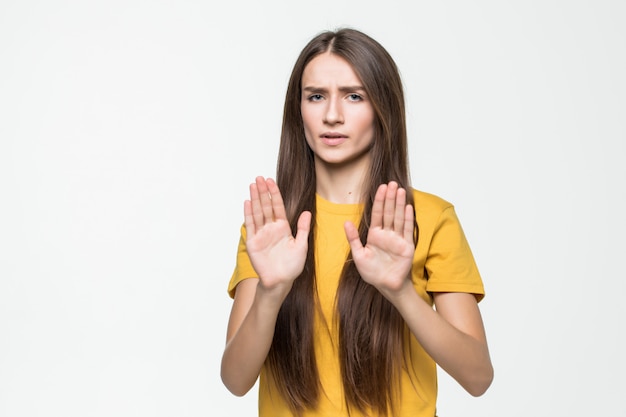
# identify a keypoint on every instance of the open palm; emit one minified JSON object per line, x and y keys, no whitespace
{"x":276,"y":255}
{"x":386,"y":258}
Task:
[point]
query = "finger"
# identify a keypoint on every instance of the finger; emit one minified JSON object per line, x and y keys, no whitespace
{"x":266,"y":200}
{"x":248,"y":218}
{"x":390,"y":205}
{"x":255,"y":206}
{"x":353,"y":237}
{"x":278,"y":206}
{"x":377,"y":207}
{"x":398,"y":221}
{"x":408,"y":223}
{"x":304,"y":226}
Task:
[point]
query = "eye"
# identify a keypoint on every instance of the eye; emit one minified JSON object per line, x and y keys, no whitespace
{"x":355,"y":97}
{"x":315,"y":97}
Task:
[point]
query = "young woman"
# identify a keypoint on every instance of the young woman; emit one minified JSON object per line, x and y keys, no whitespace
{"x":340,"y":261}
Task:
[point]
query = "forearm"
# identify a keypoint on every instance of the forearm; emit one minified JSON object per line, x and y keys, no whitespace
{"x":247,"y":349}
{"x":463,"y":355}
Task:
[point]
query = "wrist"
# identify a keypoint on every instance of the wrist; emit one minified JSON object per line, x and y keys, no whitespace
{"x":398,"y":293}
{"x":275,"y":293}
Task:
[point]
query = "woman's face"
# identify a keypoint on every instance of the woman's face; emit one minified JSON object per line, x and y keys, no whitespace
{"x":337,"y":114}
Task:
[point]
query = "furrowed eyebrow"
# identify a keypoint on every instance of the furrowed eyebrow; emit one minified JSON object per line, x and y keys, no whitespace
{"x":346,"y":89}
{"x":351,"y":88}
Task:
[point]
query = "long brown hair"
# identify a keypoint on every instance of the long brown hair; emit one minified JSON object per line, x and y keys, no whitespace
{"x":370,"y":328}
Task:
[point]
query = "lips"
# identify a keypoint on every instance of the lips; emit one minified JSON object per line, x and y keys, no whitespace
{"x":333,"y":138}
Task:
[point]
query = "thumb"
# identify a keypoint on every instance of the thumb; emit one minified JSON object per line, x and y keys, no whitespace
{"x":353,"y":236}
{"x":304,"y":226}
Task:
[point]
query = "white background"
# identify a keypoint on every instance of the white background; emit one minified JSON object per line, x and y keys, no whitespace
{"x":130,"y":130}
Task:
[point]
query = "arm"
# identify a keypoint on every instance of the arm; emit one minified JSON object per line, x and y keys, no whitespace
{"x":453,"y":334}
{"x":278,"y":258}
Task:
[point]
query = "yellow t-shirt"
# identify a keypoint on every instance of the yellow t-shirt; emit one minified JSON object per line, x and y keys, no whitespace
{"x":443,"y":262}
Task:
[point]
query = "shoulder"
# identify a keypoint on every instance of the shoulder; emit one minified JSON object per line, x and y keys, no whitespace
{"x":433,"y":213}
{"x":427,"y":203}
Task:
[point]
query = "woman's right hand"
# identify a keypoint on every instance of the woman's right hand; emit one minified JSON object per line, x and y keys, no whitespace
{"x":276,"y":255}
{"x":278,"y":258}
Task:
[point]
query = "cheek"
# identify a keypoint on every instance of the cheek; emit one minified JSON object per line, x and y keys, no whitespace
{"x":307,"y":131}
{"x":365,"y":122}
{"x":307,"y":123}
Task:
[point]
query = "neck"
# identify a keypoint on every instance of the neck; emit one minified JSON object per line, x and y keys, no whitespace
{"x":340,"y":184}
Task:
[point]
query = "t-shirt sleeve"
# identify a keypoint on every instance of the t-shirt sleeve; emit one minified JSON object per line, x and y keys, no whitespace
{"x":450,"y":264}
{"x":243,"y":267}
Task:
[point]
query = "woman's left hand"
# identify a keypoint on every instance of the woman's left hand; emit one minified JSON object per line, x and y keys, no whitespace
{"x":385,"y":260}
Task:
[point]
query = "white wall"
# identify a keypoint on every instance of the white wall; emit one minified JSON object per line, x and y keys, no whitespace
{"x":129,"y":131}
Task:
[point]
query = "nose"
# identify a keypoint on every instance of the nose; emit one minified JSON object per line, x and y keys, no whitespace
{"x":334,"y":113}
